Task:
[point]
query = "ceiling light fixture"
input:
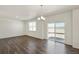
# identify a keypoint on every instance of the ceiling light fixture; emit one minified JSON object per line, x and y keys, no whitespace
{"x":41,"y":17}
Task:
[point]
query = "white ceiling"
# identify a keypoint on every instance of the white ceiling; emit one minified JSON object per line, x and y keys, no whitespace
{"x":26,"y":12}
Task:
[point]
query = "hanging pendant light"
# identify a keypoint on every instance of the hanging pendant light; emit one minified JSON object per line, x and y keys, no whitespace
{"x":41,"y":17}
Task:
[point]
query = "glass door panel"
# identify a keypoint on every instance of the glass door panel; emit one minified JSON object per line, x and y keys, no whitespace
{"x":51,"y":30}
{"x":60,"y":32}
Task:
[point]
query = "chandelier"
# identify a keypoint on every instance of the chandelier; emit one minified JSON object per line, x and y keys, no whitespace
{"x":41,"y":17}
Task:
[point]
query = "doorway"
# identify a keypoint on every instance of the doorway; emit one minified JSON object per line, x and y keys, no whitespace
{"x":56,"y":31}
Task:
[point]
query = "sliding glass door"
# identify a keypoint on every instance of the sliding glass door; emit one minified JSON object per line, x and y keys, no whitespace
{"x":56,"y":31}
{"x":59,"y":31}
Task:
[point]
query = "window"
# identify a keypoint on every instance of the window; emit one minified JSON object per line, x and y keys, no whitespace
{"x":60,"y":30}
{"x":32,"y":26}
{"x":51,"y":27}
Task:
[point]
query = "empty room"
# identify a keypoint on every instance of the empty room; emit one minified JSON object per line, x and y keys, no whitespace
{"x":39,"y":29}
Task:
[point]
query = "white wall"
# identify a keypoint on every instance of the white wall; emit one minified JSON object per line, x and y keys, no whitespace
{"x":11,"y":28}
{"x":76,"y":28}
